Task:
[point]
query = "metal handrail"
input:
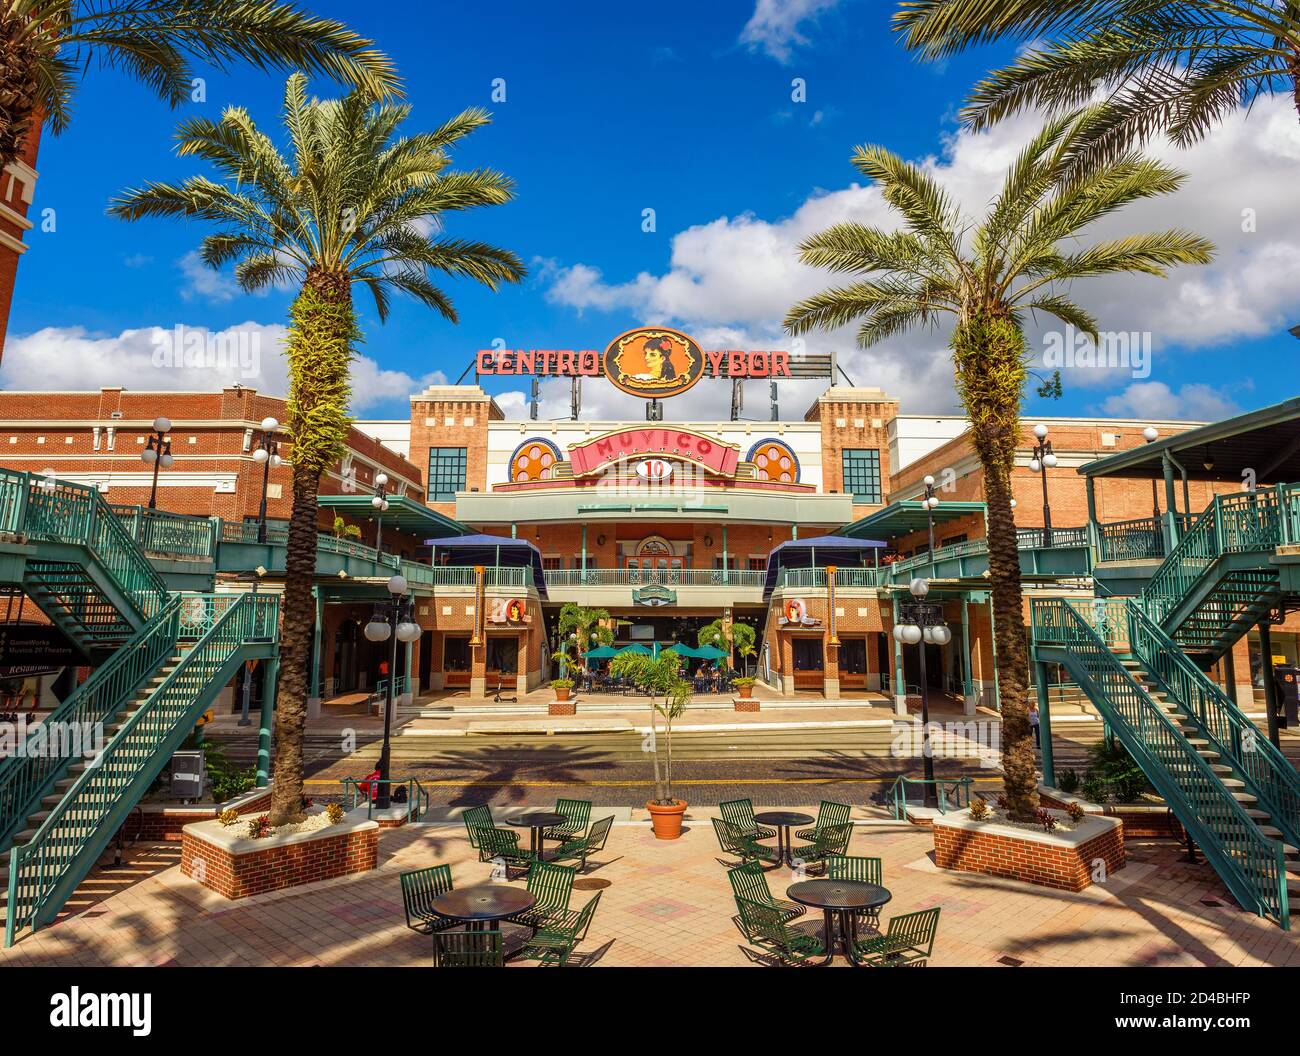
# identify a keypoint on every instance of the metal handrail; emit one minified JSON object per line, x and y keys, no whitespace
{"x":641,"y":577}
{"x":960,"y":786}
{"x":418,"y":801}
{"x":168,"y":534}
{"x":1251,"y":864}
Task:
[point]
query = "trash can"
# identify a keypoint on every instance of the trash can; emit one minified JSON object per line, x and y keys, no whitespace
{"x":188,"y":774}
{"x":1287,"y":679}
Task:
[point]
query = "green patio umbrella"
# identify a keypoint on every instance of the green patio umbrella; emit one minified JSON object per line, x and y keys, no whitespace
{"x":680,"y":649}
{"x":710,"y":652}
{"x":636,"y":647}
{"x":601,"y":652}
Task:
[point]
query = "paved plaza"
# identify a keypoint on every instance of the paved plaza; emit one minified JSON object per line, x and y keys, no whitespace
{"x":663,"y":904}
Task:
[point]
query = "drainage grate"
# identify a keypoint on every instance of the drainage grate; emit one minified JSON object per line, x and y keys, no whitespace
{"x":1010,"y":962}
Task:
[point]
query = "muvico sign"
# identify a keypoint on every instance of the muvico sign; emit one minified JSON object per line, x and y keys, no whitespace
{"x":706,"y":451}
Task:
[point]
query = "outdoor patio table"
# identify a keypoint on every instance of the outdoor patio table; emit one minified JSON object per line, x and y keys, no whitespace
{"x":784,"y":821}
{"x":481,"y":904}
{"x":840,"y":898}
{"x":538,"y":821}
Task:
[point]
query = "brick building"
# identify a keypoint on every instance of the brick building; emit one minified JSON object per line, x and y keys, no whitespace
{"x":17,"y":190}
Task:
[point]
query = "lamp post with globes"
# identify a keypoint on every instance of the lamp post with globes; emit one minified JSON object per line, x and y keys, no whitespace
{"x":1041,"y":460}
{"x":391,"y":623}
{"x":921,"y":624}
{"x":930,"y":501}
{"x":380,"y":503}
{"x":267,"y":454}
{"x":157,"y":453}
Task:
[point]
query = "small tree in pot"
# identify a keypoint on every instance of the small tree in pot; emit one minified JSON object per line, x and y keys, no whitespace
{"x":659,"y":676}
{"x":742,"y":638}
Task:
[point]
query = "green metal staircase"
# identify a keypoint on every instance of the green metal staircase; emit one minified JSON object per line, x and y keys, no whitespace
{"x":1220,"y":580}
{"x":1223,"y":812}
{"x":71,"y":819}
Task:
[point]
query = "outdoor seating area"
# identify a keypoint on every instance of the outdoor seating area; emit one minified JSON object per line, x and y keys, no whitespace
{"x":849,"y":893}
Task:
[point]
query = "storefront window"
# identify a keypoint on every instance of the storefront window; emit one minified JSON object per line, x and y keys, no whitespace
{"x":455,"y":654}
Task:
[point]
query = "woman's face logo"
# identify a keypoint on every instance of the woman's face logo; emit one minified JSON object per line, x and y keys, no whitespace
{"x":653,"y":363}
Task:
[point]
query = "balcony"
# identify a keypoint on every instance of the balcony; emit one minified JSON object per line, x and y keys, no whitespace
{"x":709,"y":588}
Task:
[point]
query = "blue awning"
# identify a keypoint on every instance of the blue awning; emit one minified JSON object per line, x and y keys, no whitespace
{"x":818,"y":552}
{"x":490,"y":550}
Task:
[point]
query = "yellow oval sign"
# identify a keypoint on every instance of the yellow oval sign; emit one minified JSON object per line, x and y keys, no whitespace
{"x":653,"y":362}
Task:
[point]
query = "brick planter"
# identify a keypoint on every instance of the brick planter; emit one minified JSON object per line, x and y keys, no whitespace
{"x":562,"y":707}
{"x":745,"y":703}
{"x":1064,"y":860}
{"x":228,"y":862}
{"x":1140,"y":820}
{"x":164,"y":822}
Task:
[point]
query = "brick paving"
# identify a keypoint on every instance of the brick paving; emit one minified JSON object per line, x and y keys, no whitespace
{"x":669,"y":903}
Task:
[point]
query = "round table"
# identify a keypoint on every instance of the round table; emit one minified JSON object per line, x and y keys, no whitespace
{"x":537,"y":821}
{"x":784,"y":821}
{"x":840,"y":898}
{"x":480,"y":904}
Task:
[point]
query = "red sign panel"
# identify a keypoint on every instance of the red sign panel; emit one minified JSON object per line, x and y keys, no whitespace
{"x":705,"y":451}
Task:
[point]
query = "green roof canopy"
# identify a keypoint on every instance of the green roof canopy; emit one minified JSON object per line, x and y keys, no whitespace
{"x":1266,"y":442}
{"x":907,"y":516}
{"x":403,"y":513}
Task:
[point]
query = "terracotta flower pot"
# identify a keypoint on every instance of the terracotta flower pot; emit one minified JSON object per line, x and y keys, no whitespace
{"x":667,"y":820}
{"x":746,"y":691}
{"x":561,"y":692}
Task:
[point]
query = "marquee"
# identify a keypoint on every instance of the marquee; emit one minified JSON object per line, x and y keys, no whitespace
{"x":706,"y":451}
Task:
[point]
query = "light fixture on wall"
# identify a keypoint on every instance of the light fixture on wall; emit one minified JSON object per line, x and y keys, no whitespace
{"x":600,"y":540}
{"x":708,"y":540}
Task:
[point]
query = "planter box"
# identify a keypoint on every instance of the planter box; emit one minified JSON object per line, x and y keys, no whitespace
{"x":562,"y":707}
{"x":164,"y":822}
{"x":226,"y":861}
{"x":745,"y":703}
{"x":1140,"y":820}
{"x":1064,"y":860}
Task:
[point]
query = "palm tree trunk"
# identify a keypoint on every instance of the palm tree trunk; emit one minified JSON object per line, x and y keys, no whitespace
{"x":989,"y":352}
{"x":18,"y":92}
{"x":319,"y":352}
{"x":654,"y":740}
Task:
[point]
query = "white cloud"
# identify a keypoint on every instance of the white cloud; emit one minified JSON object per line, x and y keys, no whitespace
{"x":743,"y":272}
{"x":774,"y":27}
{"x":179,"y":359}
{"x":1155,"y":400}
{"x":203,"y":283}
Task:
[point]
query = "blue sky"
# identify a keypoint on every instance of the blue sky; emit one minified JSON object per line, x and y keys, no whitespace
{"x":683,"y":108}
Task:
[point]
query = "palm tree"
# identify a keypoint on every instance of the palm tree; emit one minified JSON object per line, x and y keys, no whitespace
{"x":738,"y":636}
{"x":659,"y":676}
{"x":1019,"y":258}
{"x":1177,"y":66}
{"x":351,"y":205}
{"x":589,"y":625}
{"x":47,"y":44}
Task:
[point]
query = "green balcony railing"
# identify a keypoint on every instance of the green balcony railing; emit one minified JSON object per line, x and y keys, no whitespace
{"x":164,"y":534}
{"x":1135,"y":540}
{"x":813,"y":578}
{"x":1249,"y":863}
{"x":45,"y":870}
{"x":644,"y":577}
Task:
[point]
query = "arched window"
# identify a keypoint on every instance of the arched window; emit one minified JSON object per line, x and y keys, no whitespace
{"x":774,"y":461}
{"x":533,"y":460}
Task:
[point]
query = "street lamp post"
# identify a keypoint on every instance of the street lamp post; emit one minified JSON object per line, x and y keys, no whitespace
{"x":247,"y":692}
{"x":921,"y":623}
{"x":380,"y":503}
{"x":931,"y":500}
{"x":1041,"y":460}
{"x":1150,"y":435}
{"x":157,"y":453}
{"x":391,"y":623}
{"x":267,"y":454}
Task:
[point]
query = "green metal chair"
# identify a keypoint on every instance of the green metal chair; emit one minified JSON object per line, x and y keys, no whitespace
{"x":828,"y":814}
{"x":419,"y":888}
{"x":766,"y":929}
{"x":578,"y":815}
{"x":468,"y":949}
{"x":834,"y":839}
{"x":477,"y":818}
{"x":551,"y":885}
{"x":581,"y":846}
{"x":503,"y":844}
{"x":867,"y":870}
{"x":748,"y":849}
{"x":725,"y":839}
{"x":555,"y":943}
{"x":749,"y":884}
{"x":909,"y":939}
{"x":740,"y":813}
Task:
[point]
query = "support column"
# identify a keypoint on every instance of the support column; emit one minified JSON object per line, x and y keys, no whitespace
{"x":1270,"y":686}
{"x":1094,"y":529}
{"x":830,"y":669}
{"x":1045,"y":724}
{"x":993,"y":647}
{"x":1230,"y":674}
{"x":270,"y":674}
{"x":409,"y":696}
{"x":900,"y":680}
{"x":969,"y":697}
{"x":584,"y":547}
{"x":1244,"y":689}
{"x":725,"y":562}
{"x":1171,"y":505}
{"x":317,"y":656}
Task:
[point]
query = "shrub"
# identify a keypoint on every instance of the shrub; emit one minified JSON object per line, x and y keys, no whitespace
{"x":561,"y":683}
{"x":979,"y":810}
{"x":1046,"y":819}
{"x":259,"y":827}
{"x":228,"y":817}
{"x":1002,"y":801}
{"x":1067,"y":780}
{"x":228,"y":781}
{"x":335,"y":813}
{"x":743,"y":680}
{"x":1123,"y":778}
{"x":1075,"y":812}
{"x":1093,"y":788}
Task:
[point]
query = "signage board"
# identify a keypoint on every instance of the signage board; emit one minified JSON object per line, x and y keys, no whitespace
{"x":679,"y":444}
{"x":654,"y":596}
{"x":36,"y":646}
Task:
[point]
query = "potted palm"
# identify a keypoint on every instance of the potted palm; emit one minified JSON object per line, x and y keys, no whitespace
{"x":659,"y":676}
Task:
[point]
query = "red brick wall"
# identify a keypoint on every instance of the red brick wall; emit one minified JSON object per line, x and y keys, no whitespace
{"x":165,"y":826}
{"x":242,"y":875}
{"x":1067,"y":868}
{"x":15,"y":188}
{"x":453,"y":416}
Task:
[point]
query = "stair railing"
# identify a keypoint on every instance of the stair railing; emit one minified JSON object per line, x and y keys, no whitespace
{"x":1268,"y":774}
{"x":1248,"y":862}
{"x":44,"y":871}
{"x":28,"y":775}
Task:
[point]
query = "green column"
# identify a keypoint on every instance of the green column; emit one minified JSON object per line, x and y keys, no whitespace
{"x":968,"y":667}
{"x":900,"y":682}
{"x":269,"y":678}
{"x":1045,"y":724}
{"x":410,"y":648}
{"x":1171,"y":505}
{"x":993,"y":648}
{"x":724,"y":554}
{"x":584,"y":547}
{"x":317,"y":661}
